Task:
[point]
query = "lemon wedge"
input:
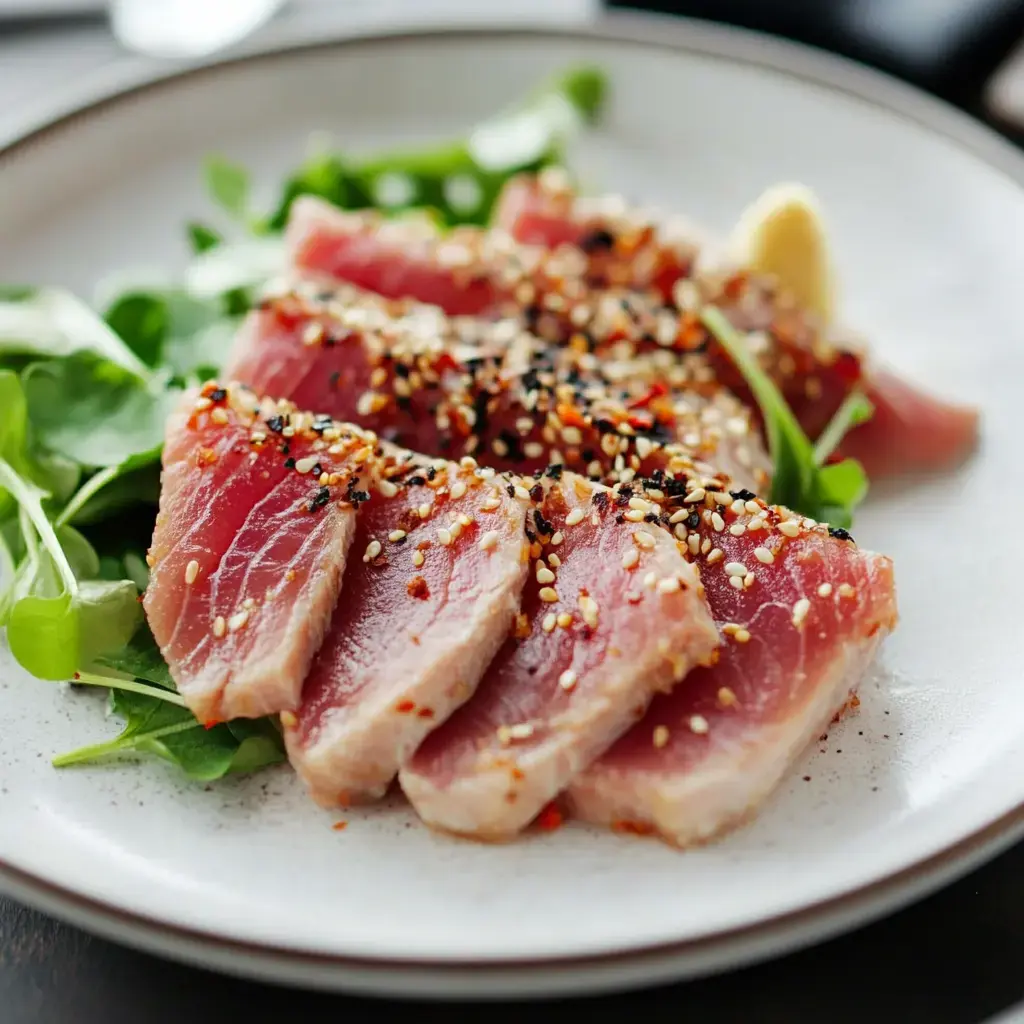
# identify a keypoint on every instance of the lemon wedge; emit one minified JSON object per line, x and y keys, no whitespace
{"x":782,"y":233}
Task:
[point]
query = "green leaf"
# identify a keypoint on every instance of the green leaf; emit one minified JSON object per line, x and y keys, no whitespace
{"x":95,"y":413}
{"x":141,"y":659}
{"x":109,"y":613}
{"x":799,"y":482}
{"x":111,"y":491}
{"x":43,"y":635}
{"x":202,"y":238}
{"x":855,"y":410}
{"x":234,"y":265}
{"x":228,"y":184}
{"x":50,"y":323}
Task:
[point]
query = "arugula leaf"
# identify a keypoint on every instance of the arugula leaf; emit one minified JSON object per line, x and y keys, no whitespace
{"x":229,"y":185}
{"x":202,"y":238}
{"x":799,"y":481}
{"x":48,"y":323}
{"x":96,"y":413}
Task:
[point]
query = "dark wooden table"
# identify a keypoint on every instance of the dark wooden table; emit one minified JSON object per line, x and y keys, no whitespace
{"x":956,"y":958}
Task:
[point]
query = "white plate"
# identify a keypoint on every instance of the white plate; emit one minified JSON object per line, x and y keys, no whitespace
{"x":927,"y":780}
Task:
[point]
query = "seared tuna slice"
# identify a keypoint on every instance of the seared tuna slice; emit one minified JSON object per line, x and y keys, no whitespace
{"x":591,"y":646}
{"x":428,"y":597}
{"x":256,"y":517}
{"x":801,"y":611}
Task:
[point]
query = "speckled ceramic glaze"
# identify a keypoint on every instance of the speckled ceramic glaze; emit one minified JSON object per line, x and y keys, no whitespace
{"x":927,"y":213}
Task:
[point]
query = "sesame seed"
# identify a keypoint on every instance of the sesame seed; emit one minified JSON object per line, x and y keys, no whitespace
{"x":191,"y":571}
{"x":567,"y":680}
{"x":238,"y":621}
{"x":444,"y":537}
{"x":557,"y":538}
{"x":545,"y":575}
{"x":306,"y":464}
{"x":521,"y":731}
{"x":715,"y":555}
{"x":522,"y":493}
{"x":679,"y":516}
{"x":737,"y":529}
{"x":680,"y":531}
{"x":735,"y":569}
{"x":554,"y":561}
{"x":396,"y":535}
{"x":736,"y":581}
{"x":748,"y":580}
{"x":693,"y":543}
{"x":643,"y":539}
{"x":490,"y":504}
{"x":742,"y":636}
{"x":651,"y":580}
{"x":418,"y":558}
{"x":717,"y":522}
{"x":668,"y":585}
{"x":825,"y":590}
{"x":588,"y":609}
{"x":549,"y":622}
{"x":752,"y":507}
{"x":219,"y":416}
{"x":757,"y":523}
{"x":372,"y":551}
{"x":289,"y":719}
{"x":564,"y":620}
{"x":219,"y":626}
{"x":634,"y":515}
{"x":800,"y":610}
{"x":458,"y":490}
{"x":387,"y":488}
{"x":845,"y":590}
{"x":699,"y":725}
{"x":726,"y":697}
{"x":489,"y":541}
{"x":660,"y":735}
{"x":695,"y":496}
{"x":574,"y":517}
{"x":424,"y":511}
{"x":764,"y":555}
{"x":790,"y":527}
{"x":630,"y":558}
{"x":548,"y":595}
{"x":639,"y":504}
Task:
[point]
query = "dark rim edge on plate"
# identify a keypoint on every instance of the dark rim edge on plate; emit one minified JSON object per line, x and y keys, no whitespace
{"x":867,"y":902}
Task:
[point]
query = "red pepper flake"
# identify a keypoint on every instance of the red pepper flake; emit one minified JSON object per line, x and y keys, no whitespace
{"x":211,"y":724}
{"x":403,"y":707}
{"x":340,"y":826}
{"x":417,"y":587}
{"x":518,"y":775}
{"x":656,"y":391}
{"x":735,"y":286}
{"x":425,"y":713}
{"x":570,"y":415}
{"x":632,"y":828}
{"x":641,"y":422}
{"x":550,"y":818}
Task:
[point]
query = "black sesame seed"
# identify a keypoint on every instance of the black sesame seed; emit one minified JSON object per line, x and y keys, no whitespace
{"x":598,"y":240}
{"x":275,"y":424}
{"x":217,"y":395}
{"x":839,"y":533}
{"x":743,"y":495}
{"x":289,"y":463}
{"x":693,"y":520}
{"x":320,"y":499}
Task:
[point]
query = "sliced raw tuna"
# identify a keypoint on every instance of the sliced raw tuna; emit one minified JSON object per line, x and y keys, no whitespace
{"x":249,"y":547}
{"x":458,"y":386}
{"x":428,"y":598}
{"x":801,"y":611}
{"x":816,"y":368}
{"x":591,"y":647}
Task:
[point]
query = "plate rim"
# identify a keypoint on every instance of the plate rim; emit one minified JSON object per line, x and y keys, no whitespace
{"x":119,"y":83}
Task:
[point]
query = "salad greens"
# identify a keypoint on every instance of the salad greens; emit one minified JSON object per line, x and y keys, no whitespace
{"x":801,"y":479}
{"x":84,"y":394}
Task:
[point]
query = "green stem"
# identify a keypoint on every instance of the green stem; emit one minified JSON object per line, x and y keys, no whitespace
{"x":91,"y":753}
{"x":30,"y":502}
{"x":856,"y":409}
{"x":114,"y":683}
{"x":85,"y":492}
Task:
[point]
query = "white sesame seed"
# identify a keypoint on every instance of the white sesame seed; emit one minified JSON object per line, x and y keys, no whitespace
{"x":219,"y":626}
{"x":757,"y":523}
{"x":521,"y":731}
{"x":668,"y":585}
{"x":644,"y":540}
{"x":545,"y":575}
{"x":424,"y":511}
{"x":639,"y":504}
{"x":660,"y":736}
{"x":737,"y":529}
{"x":588,"y":609}
{"x":693,"y":543}
{"x":680,"y":531}
{"x":557,"y":538}
{"x":522,"y":493}
{"x":572,"y":435}
{"x":634,"y":515}
{"x":458,"y":490}
{"x":825,"y":590}
{"x":699,"y":725}
{"x":574,"y":517}
{"x":191,"y":571}
{"x":742,"y":636}
{"x":548,"y":595}
{"x":549,"y":622}
{"x":764,"y":555}
{"x":800,"y":610}
{"x":679,"y":516}
{"x":444,"y":537}
{"x":554,"y":561}
{"x":489,"y":541}
{"x":695,"y":496}
{"x":387,"y":488}
{"x":735,"y":569}
{"x":238,"y":621}
{"x":651,"y":580}
{"x":715,"y":555}
{"x":490,"y":504}
{"x":845,"y":590}
{"x":748,"y":580}
{"x":465,"y":520}
{"x":567,"y":680}
{"x":726,"y":697}
{"x":717,"y":522}
{"x":396,"y":535}
{"x":418,"y":558}
{"x":289,"y":719}
{"x":736,"y":581}
{"x":789,"y":527}
{"x":372,"y":551}
{"x":564,"y":620}
{"x":306,"y":464}
{"x":219,"y":416}
{"x":630,"y":558}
